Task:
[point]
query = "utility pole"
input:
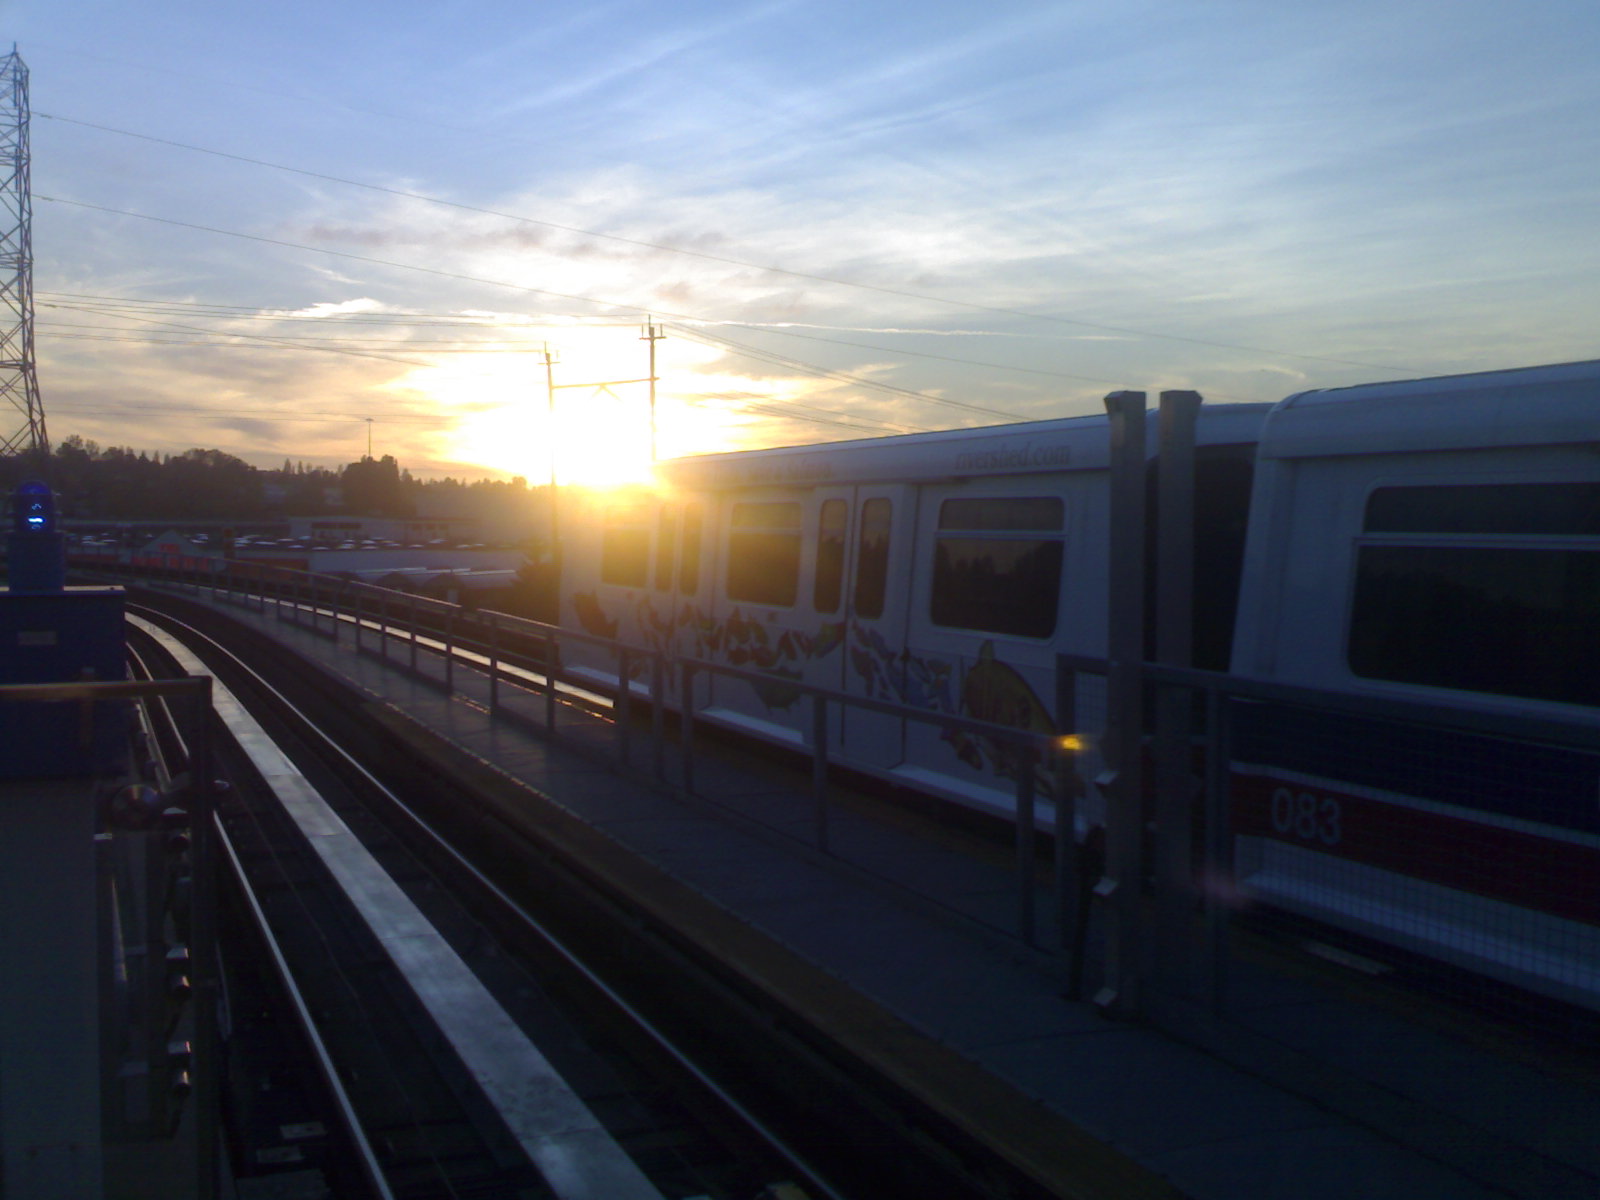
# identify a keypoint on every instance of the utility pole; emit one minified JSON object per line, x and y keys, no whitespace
{"x":550,"y":441}
{"x":652,"y":336}
{"x":19,"y":383}
{"x":368,"y":420}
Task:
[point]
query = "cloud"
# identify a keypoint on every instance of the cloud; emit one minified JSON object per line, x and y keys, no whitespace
{"x":341,"y":308}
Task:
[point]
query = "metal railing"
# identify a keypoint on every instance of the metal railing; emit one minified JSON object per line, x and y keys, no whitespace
{"x":1412,"y":830}
{"x":526,"y":654}
{"x":130,"y":830}
{"x":1172,"y":938}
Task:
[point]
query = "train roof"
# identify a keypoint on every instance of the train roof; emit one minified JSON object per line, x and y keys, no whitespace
{"x":1028,"y":447}
{"x":1527,"y":406}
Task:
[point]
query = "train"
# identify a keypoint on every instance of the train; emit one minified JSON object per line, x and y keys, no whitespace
{"x":1433,"y":541}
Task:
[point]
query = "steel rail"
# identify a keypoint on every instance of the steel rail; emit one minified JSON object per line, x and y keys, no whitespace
{"x":329,"y":1073}
{"x":659,"y":1040}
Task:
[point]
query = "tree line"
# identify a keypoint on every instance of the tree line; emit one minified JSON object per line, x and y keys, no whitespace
{"x":120,"y":483}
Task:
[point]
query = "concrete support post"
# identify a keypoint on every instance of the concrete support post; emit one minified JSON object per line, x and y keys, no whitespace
{"x":1121,"y":782}
{"x":1175,"y":780}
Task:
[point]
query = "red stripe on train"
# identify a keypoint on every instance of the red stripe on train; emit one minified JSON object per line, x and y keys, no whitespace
{"x":1550,"y":874}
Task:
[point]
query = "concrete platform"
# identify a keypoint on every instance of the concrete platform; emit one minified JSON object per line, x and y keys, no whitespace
{"x":1320,"y":1093}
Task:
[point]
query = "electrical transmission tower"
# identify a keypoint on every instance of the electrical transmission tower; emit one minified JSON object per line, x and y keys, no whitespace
{"x":22,"y":423}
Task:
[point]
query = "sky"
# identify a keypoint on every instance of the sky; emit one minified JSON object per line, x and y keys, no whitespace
{"x":292,"y":231}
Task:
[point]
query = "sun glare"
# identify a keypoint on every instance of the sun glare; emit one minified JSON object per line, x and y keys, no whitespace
{"x":498,"y":417}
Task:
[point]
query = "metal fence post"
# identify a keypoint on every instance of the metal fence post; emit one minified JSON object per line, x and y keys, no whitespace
{"x":494,"y":664}
{"x":450,"y":652}
{"x":623,"y":712}
{"x":1219,"y":884}
{"x":1025,"y":844}
{"x":1066,"y":801}
{"x":686,"y":728}
{"x":550,"y":683}
{"x":819,"y":768}
{"x":413,"y":634}
{"x":658,"y":715}
{"x":203,"y":944}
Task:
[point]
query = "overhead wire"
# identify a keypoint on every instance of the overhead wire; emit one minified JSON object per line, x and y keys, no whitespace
{"x":692,"y":326}
{"x":696,"y":334}
{"x":687,"y":319}
{"x":696,"y":328}
{"x":255,"y":312}
{"x":772,"y":407}
{"x":640,"y":243}
{"x":275,"y":413}
{"x":260,"y":338}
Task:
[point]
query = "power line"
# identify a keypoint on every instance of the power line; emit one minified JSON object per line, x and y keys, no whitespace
{"x":839,"y":376}
{"x":256,"y":337}
{"x":500,"y":283}
{"x":275,"y":413}
{"x":434,"y":345}
{"x":724,"y":260}
{"x":256,"y":312}
{"x":778,"y":408}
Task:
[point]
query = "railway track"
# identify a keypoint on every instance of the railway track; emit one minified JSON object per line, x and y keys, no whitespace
{"x":418,"y":1102}
{"x":736,"y":1040}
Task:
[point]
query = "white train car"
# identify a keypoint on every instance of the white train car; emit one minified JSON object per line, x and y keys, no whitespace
{"x":943,"y":571}
{"x":1434,"y":540}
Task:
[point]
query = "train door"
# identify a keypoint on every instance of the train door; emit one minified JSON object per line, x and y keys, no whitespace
{"x":758,"y":614}
{"x":876,"y":590}
{"x":984,"y":629}
{"x":810,"y":589}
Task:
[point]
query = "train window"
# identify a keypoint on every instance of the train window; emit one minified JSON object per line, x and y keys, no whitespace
{"x":1517,"y":622}
{"x":828,"y":589}
{"x":1528,"y":508}
{"x":625,"y":547}
{"x":1002,"y":513}
{"x":872,"y":558}
{"x":689,"y":559}
{"x":988,"y":574}
{"x":764,"y":553}
{"x":666,"y":536}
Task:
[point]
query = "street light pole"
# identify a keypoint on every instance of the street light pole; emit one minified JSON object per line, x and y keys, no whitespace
{"x":550,"y":436}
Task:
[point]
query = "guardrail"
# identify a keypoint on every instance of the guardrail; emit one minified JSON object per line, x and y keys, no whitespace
{"x":71,"y":908}
{"x":528,"y":653}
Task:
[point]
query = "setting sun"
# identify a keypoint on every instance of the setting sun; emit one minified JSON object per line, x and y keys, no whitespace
{"x":495,"y":412}
{"x":597,"y":441}
{"x":498,"y":417}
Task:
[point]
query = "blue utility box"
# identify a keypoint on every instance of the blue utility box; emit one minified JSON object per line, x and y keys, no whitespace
{"x":61,"y":637}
